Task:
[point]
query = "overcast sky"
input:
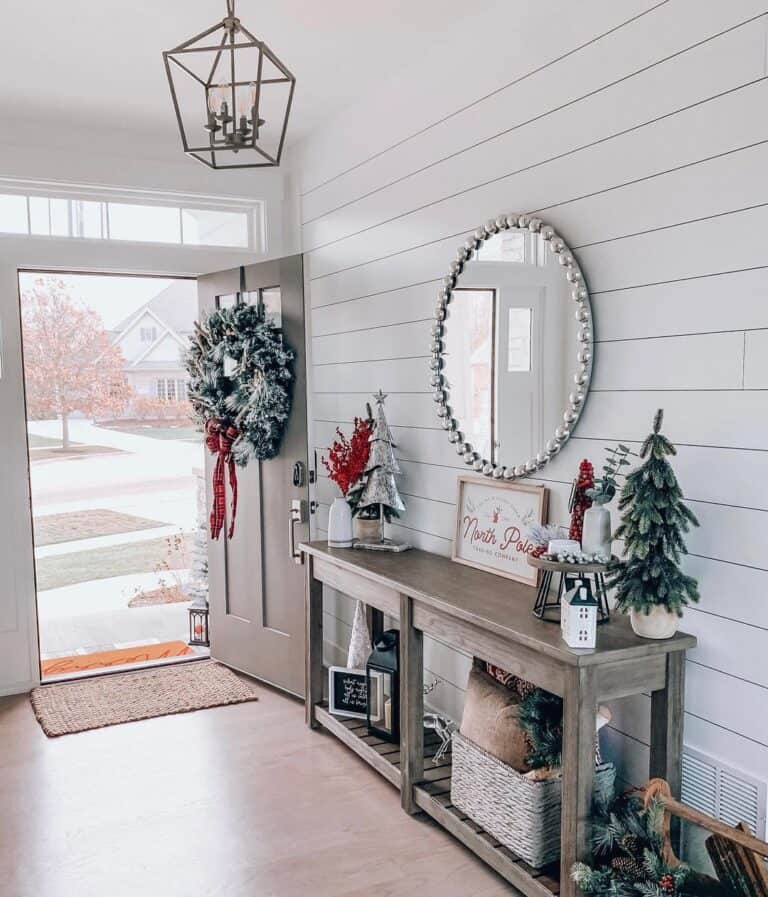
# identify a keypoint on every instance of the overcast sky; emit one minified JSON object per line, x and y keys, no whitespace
{"x":112,"y":296}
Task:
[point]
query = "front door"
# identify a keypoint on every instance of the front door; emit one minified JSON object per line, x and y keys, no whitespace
{"x":256,"y":589}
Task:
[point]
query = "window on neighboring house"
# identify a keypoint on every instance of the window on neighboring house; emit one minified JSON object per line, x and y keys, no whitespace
{"x":148,"y":334}
{"x":170,"y":390}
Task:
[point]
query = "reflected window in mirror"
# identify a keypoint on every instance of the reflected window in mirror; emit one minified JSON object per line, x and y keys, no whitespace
{"x":473,"y":362}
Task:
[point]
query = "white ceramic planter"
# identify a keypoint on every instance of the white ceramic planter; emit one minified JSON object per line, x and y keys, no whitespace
{"x":340,"y":524}
{"x":659,"y":623}
{"x":596,"y":534}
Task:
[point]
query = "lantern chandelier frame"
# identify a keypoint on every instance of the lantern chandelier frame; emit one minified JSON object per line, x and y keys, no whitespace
{"x":233,"y":124}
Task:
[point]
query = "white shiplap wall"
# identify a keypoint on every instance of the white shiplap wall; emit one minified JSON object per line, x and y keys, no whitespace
{"x":640,"y":131}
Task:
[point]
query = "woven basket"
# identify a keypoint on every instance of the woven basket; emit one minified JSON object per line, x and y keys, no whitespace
{"x":521,"y":813}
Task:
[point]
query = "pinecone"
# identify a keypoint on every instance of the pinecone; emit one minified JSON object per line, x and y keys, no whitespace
{"x":628,"y":867}
{"x":632,"y":845}
{"x":667,"y":883}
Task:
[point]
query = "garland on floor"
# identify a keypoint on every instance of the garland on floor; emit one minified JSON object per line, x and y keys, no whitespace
{"x":629,"y":850}
{"x":240,"y":391}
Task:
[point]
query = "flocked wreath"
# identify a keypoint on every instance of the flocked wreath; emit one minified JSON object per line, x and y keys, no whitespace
{"x":240,"y":390}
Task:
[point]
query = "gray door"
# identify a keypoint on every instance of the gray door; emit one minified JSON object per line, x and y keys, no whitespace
{"x":256,"y":587}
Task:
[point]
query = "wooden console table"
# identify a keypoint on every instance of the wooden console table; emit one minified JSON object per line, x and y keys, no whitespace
{"x":490,"y":617}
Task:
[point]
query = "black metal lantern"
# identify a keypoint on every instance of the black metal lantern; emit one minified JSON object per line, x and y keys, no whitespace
{"x":383,"y":685}
{"x":232,"y":96}
{"x":198,"y":626}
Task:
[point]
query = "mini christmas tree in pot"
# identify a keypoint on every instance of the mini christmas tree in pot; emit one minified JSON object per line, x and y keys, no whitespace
{"x":380,"y":485}
{"x":648,"y":580}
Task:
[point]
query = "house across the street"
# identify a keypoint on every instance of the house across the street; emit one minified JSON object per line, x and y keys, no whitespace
{"x":153,"y":339}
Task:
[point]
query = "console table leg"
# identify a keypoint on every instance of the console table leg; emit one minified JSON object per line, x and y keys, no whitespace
{"x":313,"y":670}
{"x":579,"y":721}
{"x":667,"y":732}
{"x":411,"y":705}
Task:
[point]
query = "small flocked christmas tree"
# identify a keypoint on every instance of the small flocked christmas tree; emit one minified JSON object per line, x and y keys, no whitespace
{"x":380,"y":484}
{"x":653,"y":522}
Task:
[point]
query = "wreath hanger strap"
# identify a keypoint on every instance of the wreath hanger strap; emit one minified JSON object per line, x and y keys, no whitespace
{"x":219,"y":439}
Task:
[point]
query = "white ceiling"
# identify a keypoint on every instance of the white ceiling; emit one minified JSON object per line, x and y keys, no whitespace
{"x":87,"y":68}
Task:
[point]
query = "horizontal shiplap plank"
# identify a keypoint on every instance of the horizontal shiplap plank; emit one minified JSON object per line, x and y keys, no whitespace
{"x":729,"y":242}
{"x":703,"y":361}
{"x":450,"y":665}
{"x":756,"y":359}
{"x":411,"y":303}
{"x":732,"y":703}
{"x":629,"y":756}
{"x":628,"y":55}
{"x":726,"y":419}
{"x":398,"y":375}
{"x":736,"y":301}
{"x":730,"y":591}
{"x":403,"y":409}
{"x":736,"y":535}
{"x":733,"y":648}
{"x":367,"y":344}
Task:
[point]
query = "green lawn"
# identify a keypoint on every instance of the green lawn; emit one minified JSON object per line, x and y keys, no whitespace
{"x":117,"y":560}
{"x":52,"y":529}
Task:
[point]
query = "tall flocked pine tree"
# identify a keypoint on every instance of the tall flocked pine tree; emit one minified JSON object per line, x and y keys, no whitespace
{"x":653,"y":522}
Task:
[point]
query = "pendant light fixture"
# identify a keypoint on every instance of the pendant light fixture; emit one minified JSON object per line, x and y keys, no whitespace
{"x":232,"y":96}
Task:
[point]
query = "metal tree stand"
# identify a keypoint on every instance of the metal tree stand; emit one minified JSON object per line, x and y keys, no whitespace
{"x":548,"y":609}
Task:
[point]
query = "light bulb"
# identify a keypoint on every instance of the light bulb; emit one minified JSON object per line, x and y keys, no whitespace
{"x":245,"y":100}
{"x":217,"y":93}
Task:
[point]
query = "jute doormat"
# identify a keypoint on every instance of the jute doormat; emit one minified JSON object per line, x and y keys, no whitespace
{"x":124,"y":697}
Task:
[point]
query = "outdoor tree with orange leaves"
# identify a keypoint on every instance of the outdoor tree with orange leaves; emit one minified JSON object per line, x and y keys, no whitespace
{"x":70,"y":363}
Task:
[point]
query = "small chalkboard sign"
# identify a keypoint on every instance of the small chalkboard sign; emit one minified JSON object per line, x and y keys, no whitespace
{"x":348,"y":692}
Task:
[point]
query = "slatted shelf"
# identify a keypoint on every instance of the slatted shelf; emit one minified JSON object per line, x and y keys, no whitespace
{"x":433,"y":796}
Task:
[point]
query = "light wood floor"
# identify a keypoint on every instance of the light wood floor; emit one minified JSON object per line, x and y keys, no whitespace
{"x":237,"y":801}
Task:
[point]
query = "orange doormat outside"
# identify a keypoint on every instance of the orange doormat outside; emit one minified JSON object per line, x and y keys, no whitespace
{"x":79,"y":663}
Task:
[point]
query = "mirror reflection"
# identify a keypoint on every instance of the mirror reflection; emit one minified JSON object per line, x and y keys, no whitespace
{"x":511,"y":340}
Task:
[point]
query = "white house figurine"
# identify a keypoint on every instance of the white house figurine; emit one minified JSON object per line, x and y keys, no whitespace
{"x":578,"y":617}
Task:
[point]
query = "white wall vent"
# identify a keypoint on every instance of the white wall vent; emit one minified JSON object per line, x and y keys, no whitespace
{"x":725,"y":793}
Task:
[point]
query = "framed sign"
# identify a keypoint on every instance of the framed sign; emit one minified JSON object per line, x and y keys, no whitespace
{"x":348,"y":693}
{"x":493,"y":522}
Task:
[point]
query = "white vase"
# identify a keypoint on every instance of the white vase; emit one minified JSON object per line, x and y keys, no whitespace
{"x":340,"y":524}
{"x":658,"y":623}
{"x":596,"y":533}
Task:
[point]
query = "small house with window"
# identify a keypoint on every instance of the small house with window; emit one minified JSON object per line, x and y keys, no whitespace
{"x":153,"y":340}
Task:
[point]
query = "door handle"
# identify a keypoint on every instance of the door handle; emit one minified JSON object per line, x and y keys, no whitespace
{"x":296,"y":516}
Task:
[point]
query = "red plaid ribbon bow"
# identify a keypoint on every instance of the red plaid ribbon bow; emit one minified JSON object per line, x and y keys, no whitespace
{"x":219,"y":437}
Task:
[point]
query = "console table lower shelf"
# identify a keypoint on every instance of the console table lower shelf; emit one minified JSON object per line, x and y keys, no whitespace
{"x":433,"y":796}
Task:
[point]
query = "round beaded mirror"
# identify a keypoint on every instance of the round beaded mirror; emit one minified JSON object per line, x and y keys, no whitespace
{"x":512,"y":347}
